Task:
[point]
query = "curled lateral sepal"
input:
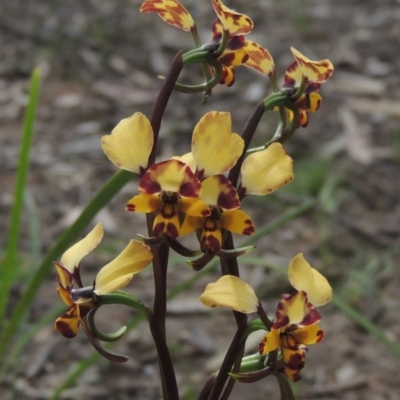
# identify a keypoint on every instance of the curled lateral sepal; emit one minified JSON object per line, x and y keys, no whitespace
{"x":250,"y":377}
{"x":234,"y":253}
{"x":210,"y":83}
{"x":180,"y":248}
{"x":150,"y":241}
{"x":201,"y":262}
{"x":105,"y":337}
{"x":109,"y":355}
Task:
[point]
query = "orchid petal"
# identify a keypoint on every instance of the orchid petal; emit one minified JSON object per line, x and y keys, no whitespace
{"x":259,"y":58}
{"x":170,"y":176}
{"x":68,"y":323}
{"x":308,"y":334}
{"x":190,"y":224}
{"x":64,"y":277}
{"x":303,"y":277}
{"x":218,"y":190}
{"x":171,"y":11}
{"x":313,"y":71}
{"x":295,"y":310}
{"x":130,"y":143}
{"x":65,"y":295}
{"x":233,"y":22}
{"x":270,"y":342}
{"x":134,"y":258}
{"x":215,"y":148}
{"x":233,"y":58}
{"x":194,"y":207}
{"x":211,"y":237}
{"x":267,"y":170}
{"x":72,"y":257}
{"x":294,"y":357}
{"x":230,"y":292}
{"x":167,"y":221}
{"x":237,"y":221}
{"x":144,"y":203}
{"x":293,"y":76}
{"x":187,"y":159}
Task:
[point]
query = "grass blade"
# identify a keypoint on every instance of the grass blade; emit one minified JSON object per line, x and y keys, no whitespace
{"x":16,"y":212}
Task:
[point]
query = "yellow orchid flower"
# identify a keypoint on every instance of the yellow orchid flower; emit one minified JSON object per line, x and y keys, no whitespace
{"x":295,"y":325}
{"x":314,"y":73}
{"x":113,"y":276}
{"x":215,"y":150}
{"x":223,"y":201}
{"x":168,"y":188}
{"x":234,"y":25}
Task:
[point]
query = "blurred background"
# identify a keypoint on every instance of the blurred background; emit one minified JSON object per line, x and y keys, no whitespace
{"x":100,"y":62}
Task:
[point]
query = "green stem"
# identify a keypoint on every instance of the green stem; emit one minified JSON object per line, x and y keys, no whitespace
{"x":196,"y":56}
{"x":121,"y":297}
{"x":206,"y":86}
{"x":205,"y":68}
{"x":222,"y":45}
{"x":101,"y":199}
{"x":300,"y":90}
{"x":276,"y":100}
{"x":10,"y":267}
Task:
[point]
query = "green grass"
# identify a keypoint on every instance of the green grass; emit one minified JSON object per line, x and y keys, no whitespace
{"x":11,"y":259}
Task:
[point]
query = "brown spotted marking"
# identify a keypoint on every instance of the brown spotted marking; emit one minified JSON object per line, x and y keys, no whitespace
{"x":64,"y":328}
{"x":249,"y":230}
{"x":148,"y":184}
{"x":297,"y":360}
{"x":130,"y":207}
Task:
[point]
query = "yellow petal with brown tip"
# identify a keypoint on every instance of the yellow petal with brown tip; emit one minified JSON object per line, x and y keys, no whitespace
{"x":233,"y":22}
{"x":270,"y":342}
{"x":259,"y":58}
{"x":171,"y":11}
{"x":313,"y":71}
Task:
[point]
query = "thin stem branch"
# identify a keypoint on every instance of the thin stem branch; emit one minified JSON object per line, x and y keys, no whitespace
{"x":160,"y":252}
{"x":235,"y":348}
{"x":162,"y":100}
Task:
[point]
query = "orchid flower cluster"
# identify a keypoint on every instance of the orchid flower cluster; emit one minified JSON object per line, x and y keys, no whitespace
{"x":200,"y":193}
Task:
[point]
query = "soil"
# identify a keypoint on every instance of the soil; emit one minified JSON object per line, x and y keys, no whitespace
{"x":100,"y":62}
